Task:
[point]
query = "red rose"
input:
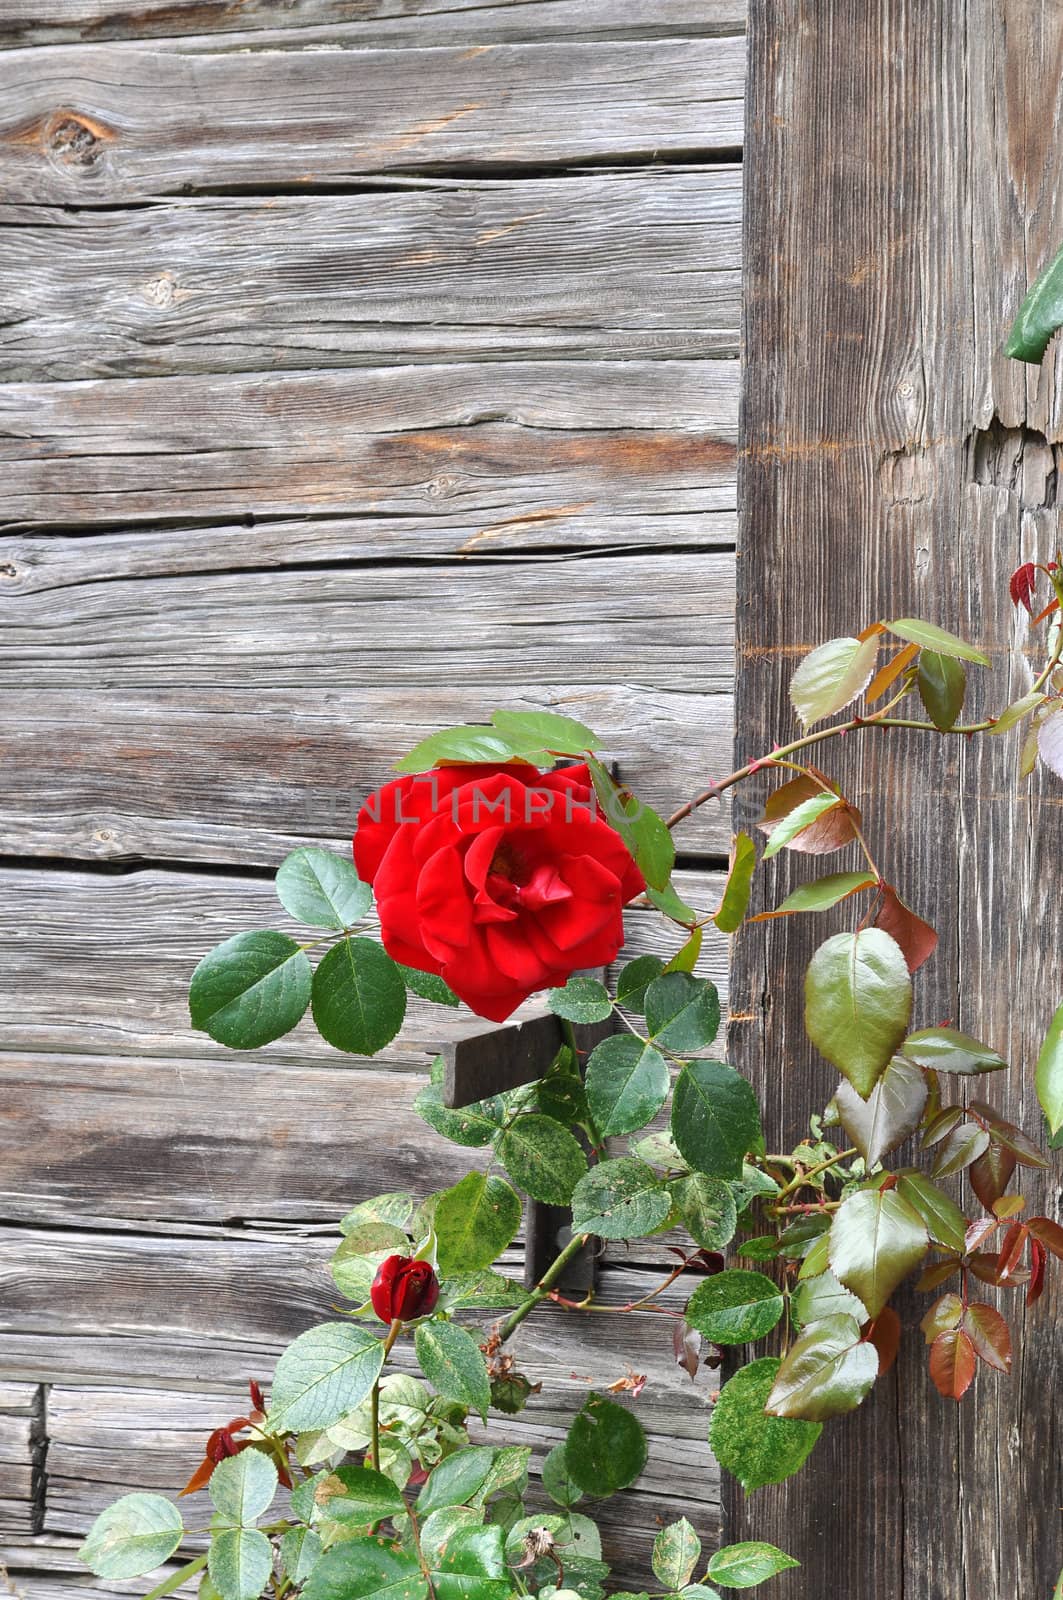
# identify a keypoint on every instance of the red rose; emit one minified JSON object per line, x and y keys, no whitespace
{"x":502,"y":880}
{"x":404,"y":1288}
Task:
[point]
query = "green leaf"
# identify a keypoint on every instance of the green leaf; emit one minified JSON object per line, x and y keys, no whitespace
{"x":676,"y":1552}
{"x":876,"y":1239}
{"x":322,"y":889}
{"x":468,"y":1564}
{"x":242,"y":1487}
{"x":250,"y":990}
{"x":671,"y":905}
{"x":324,"y":1373}
{"x":366,"y":1569}
{"x":929,"y":637}
{"x":945,"y":1222}
{"x":483,"y":1290}
{"x":581,"y":1000}
{"x":822,"y":893}
{"x":557,"y":1481}
{"x":942,"y":684}
{"x":707,"y":1207}
{"x":682,"y":1012}
{"x":428,"y":986}
{"x":474,"y":1222}
{"x":1017,"y":712}
{"x":743,"y":1566}
{"x":177,"y":1579}
{"x":832,"y":675}
{"x":354,"y":1496}
{"x":606,"y":1448}
{"x":1039,"y":317}
{"x":300,"y":1552}
{"x":755,"y":1448}
{"x":459,"y":1479}
{"x":354,"y":1264}
{"x":471,"y":1125}
{"x":134,"y":1536}
{"x":543,"y":1158}
{"x":1049,"y":1079}
{"x":393,"y":1209}
{"x":635,"y":979}
{"x":946,"y":1050}
{"x":627,"y":1083}
{"x":545,"y":730}
{"x":735,"y":902}
{"x":620,"y":1199}
{"x":827,"y":1371}
{"x":715,"y":1118}
{"x":642,"y":830}
{"x":359,"y":998}
{"x":823,"y":1296}
{"x":797,"y":820}
{"x":858,"y":1000}
{"x":890,"y":1114}
{"x":240,"y":1563}
{"x":451,"y":1361}
{"x":453,"y":746}
{"x":735,"y":1306}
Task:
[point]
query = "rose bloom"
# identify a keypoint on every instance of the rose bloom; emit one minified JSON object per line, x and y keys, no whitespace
{"x":404,"y":1288}
{"x":500,"y":879}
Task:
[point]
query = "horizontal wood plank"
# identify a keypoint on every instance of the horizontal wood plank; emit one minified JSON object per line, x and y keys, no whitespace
{"x":488,"y":442}
{"x":380,"y":22}
{"x":112,"y":123}
{"x":623,"y":265}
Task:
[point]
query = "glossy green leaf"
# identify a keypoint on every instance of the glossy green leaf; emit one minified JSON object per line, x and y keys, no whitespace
{"x":543,"y":1158}
{"x":474,"y":743}
{"x":822,"y":893}
{"x":858,"y":1001}
{"x":797,"y":820}
{"x":452,"y":1362}
{"x":250,"y":990}
{"x":946,"y":1050}
{"x":945,"y":1222}
{"x":471,"y":1125}
{"x":831,"y":676}
{"x":460,"y":1479}
{"x":240,"y":1563}
{"x":627,"y":1084}
{"x":962,"y":1146}
{"x":942,"y":684}
{"x":1017,"y":712}
{"x":620,"y":1199}
{"x":1039,"y":317}
{"x":735,"y":901}
{"x":353,"y":1496}
{"x":676,"y":1552}
{"x":557,"y":1480}
{"x":707,"y":1207}
{"x":546,"y":730}
{"x":735,"y":1307}
{"x":322,"y":889}
{"x":242,"y":1487}
{"x":755,"y":1448}
{"x":890,"y":1114}
{"x":428,"y":986}
{"x":474,"y":1222}
{"x":133,"y":1536}
{"x":641,"y":829}
{"x":929,"y":637}
{"x":1049,"y":1079}
{"x":581,"y":1000}
{"x":827,"y":1371}
{"x":670,"y":904}
{"x":743,"y":1566}
{"x":686,"y":958}
{"x":813,"y":1299}
{"x":605,"y":1449}
{"x":635,"y":978}
{"x":324,"y":1373}
{"x":359,"y":998}
{"x":715,"y":1118}
{"x":682,"y":1012}
{"x":876,"y":1239}
{"x":366,"y":1569}
{"x":469,"y":1564}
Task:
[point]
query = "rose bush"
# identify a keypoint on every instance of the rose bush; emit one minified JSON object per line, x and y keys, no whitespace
{"x":499,"y":879}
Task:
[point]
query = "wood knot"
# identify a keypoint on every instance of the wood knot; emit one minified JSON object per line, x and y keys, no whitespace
{"x":76,"y":140}
{"x":8,"y":569}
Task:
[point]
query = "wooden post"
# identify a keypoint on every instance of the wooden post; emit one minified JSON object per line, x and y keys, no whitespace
{"x":903,"y":186}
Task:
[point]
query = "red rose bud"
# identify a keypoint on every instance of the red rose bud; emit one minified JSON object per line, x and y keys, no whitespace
{"x":403,"y":1289}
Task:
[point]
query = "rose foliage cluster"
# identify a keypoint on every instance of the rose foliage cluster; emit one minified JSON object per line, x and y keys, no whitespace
{"x":498,"y":874}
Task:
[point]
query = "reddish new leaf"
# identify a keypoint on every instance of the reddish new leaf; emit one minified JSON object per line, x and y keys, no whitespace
{"x":885,"y":1334}
{"x":1012,"y":1138}
{"x":1038,"y":1262}
{"x":989,"y":1335}
{"x":952,"y":1363}
{"x":991,"y":1173}
{"x":1011,"y":1251}
{"x":1049,"y":1233}
{"x":944,"y":1315}
{"x":1053,"y":605}
{"x":984,"y":1267}
{"x":978,"y":1232}
{"x":937,"y":1273}
{"x":199,"y":1479}
{"x":916,"y":938}
{"x":886,"y":676}
{"x":941,"y":1125}
{"x":832,"y":831}
{"x":1022,"y":584}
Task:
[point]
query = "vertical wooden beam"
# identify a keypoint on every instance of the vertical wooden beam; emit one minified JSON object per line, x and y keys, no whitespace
{"x":903,"y":184}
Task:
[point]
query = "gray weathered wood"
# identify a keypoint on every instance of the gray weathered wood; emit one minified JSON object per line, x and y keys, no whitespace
{"x":484,"y":441}
{"x":21,"y":1460}
{"x":629,"y":265}
{"x":871,"y":488}
{"x":86,"y":124}
{"x":400,"y":22}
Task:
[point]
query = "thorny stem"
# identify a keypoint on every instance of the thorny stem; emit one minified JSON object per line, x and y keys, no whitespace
{"x":393,"y":1333}
{"x":507,"y":1328}
{"x":632,"y":1305}
{"x":813,"y":1172}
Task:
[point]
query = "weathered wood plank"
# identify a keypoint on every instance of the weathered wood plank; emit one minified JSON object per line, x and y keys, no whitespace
{"x":485,"y":441}
{"x":112,"y":123}
{"x":247,"y":775}
{"x":21,"y":1459}
{"x":622,"y":265}
{"x":889,"y":507}
{"x":118,"y":985}
{"x":380,"y":22}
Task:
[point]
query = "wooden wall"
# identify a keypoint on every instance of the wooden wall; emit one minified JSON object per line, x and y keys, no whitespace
{"x":363,"y":363}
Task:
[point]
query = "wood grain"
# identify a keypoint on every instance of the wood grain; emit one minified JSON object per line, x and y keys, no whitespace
{"x":630,"y":265}
{"x":114,"y":123}
{"x":874,"y":483}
